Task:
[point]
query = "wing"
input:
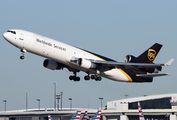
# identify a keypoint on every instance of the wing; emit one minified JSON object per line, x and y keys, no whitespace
{"x":131,"y":65}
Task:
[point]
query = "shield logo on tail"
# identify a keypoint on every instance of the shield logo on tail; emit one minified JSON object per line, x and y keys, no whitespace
{"x":151,"y":54}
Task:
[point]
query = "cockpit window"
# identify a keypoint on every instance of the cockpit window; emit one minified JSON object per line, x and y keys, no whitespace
{"x":11,"y":31}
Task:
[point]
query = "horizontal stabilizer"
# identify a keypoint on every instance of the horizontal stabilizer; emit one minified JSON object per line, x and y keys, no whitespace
{"x":151,"y":75}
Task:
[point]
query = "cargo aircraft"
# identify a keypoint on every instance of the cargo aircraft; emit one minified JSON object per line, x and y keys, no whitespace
{"x":60,"y":55}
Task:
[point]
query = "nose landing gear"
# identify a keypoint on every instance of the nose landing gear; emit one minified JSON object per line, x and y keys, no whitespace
{"x":23,"y":54}
{"x":22,"y":57}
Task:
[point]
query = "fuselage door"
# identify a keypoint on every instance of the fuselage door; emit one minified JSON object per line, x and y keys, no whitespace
{"x":21,"y":40}
{"x":21,"y":36}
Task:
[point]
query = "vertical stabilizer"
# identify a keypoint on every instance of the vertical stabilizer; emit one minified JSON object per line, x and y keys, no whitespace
{"x":84,"y":116}
{"x":141,"y":117}
{"x":97,"y":116}
{"x":149,"y":55}
{"x":76,"y":116}
{"x":49,"y":117}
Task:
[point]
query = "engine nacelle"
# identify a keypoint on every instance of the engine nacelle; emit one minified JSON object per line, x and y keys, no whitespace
{"x":53,"y":65}
{"x":131,"y":58}
{"x":86,"y":63}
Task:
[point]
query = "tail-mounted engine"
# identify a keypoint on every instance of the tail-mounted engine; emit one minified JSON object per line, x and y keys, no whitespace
{"x":53,"y":65}
{"x":132,"y":59}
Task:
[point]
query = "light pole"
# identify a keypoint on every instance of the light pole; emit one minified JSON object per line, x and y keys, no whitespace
{"x":58,"y":97}
{"x":126,"y":95}
{"x":38,"y":103}
{"x":70,"y":103}
{"x":26,"y":101}
{"x":101,"y":102}
{"x":5,"y":104}
{"x":54,"y":96}
{"x":61,"y":99}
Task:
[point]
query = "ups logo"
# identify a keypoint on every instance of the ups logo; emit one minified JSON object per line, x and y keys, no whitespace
{"x":151,"y":54}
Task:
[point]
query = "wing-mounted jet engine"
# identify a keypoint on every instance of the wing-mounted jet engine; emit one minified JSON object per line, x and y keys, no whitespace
{"x":53,"y":65}
{"x":86,"y":64}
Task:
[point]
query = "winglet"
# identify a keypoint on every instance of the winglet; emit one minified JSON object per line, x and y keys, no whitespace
{"x":169,"y":62}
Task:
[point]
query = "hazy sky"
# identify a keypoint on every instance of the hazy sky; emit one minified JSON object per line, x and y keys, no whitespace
{"x":110,"y":28}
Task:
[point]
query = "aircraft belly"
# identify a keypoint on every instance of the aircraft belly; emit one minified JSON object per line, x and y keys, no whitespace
{"x":117,"y":75}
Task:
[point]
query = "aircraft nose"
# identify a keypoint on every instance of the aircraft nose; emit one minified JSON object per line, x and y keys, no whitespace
{"x":5,"y":35}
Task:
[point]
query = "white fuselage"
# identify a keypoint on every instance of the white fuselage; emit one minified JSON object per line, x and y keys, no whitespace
{"x":59,"y":52}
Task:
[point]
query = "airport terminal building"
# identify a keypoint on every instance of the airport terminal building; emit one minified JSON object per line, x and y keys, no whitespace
{"x":154,"y":107}
{"x":157,"y":103}
{"x":165,"y":101}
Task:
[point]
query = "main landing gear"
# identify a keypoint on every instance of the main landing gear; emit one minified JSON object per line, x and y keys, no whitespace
{"x":23,"y":54}
{"x":74,"y":77}
{"x":87,"y":77}
{"x":96,"y":77}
